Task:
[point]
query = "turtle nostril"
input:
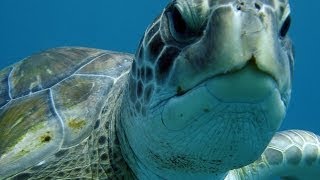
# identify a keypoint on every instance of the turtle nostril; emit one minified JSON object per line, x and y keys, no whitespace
{"x":238,"y":7}
{"x":242,"y":5}
{"x":257,"y":6}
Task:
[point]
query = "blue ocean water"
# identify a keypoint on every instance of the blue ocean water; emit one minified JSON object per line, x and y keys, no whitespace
{"x":27,"y":27}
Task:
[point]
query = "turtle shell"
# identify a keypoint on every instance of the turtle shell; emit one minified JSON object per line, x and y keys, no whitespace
{"x":52,"y":101}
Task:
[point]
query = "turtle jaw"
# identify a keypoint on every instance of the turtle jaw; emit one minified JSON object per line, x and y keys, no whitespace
{"x":247,"y":85}
{"x":243,"y":77}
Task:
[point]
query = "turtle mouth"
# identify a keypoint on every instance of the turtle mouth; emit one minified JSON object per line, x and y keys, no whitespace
{"x":235,"y":92}
{"x":246,"y":83}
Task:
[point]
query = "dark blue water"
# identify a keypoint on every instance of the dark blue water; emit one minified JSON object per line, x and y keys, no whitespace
{"x":32,"y":26}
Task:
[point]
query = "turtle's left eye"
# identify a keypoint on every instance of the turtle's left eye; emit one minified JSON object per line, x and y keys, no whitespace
{"x":285,"y":27}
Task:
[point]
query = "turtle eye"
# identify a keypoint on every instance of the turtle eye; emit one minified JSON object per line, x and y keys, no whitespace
{"x":180,"y":28}
{"x":179,"y":24}
{"x":285,"y":27}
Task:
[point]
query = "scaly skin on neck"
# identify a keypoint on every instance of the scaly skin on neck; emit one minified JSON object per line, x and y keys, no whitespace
{"x":142,"y":169}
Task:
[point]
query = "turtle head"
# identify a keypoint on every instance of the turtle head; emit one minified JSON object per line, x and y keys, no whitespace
{"x":210,"y":85}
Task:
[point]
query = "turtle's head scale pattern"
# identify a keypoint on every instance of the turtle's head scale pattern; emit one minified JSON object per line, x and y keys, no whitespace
{"x":220,"y":66}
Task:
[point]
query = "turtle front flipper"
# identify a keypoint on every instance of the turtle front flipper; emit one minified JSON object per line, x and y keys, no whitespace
{"x":291,"y":155}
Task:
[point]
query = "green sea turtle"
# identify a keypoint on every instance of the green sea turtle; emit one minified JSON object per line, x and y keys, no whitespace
{"x":202,"y":99}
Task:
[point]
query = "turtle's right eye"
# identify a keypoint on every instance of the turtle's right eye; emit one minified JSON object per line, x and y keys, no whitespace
{"x":179,"y":26}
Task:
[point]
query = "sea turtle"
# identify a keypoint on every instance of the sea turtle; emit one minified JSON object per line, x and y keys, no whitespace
{"x":202,"y":99}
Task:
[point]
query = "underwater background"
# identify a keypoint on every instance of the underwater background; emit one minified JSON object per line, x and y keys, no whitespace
{"x":27,"y":27}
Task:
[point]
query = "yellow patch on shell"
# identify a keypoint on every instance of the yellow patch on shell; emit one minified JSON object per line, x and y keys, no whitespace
{"x":77,"y":124}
